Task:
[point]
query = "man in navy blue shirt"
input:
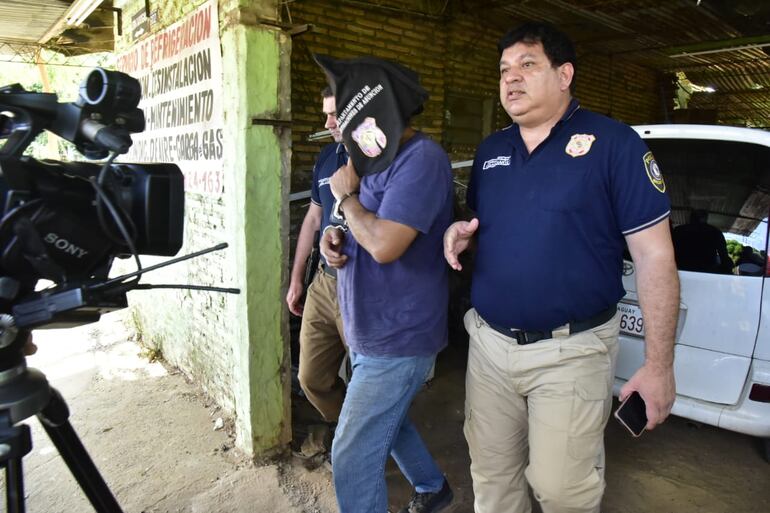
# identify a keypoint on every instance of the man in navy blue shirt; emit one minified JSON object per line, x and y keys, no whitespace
{"x":321,"y":342}
{"x":557,"y":195}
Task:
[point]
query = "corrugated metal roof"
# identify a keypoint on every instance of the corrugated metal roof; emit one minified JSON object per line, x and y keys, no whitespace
{"x":27,"y":24}
{"x":646,"y":32}
{"x":650,"y":32}
{"x":27,"y":21}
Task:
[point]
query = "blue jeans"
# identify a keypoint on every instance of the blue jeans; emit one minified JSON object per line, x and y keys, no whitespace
{"x":373,"y":424}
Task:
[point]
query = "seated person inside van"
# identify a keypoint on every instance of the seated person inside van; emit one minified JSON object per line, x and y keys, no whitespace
{"x":750,"y":263}
{"x":701,"y":247}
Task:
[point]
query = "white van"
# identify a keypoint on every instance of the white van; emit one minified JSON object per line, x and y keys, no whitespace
{"x":722,"y":362}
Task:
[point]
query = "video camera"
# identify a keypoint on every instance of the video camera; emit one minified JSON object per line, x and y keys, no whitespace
{"x":65,"y":222}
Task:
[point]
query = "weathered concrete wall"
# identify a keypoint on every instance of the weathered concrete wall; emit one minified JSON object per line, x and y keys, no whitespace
{"x":233,"y":345}
{"x":257,"y":60}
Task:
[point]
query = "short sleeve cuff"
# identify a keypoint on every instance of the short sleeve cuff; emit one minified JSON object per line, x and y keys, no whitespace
{"x":646,"y":225}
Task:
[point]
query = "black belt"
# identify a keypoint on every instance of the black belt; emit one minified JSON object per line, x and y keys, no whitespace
{"x":524,"y":337}
{"x":329,"y":271}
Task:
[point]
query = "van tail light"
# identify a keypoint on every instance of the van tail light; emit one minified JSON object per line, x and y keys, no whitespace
{"x":760,"y":393}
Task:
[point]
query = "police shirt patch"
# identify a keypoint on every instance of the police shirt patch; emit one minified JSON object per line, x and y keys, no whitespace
{"x":653,"y":172}
{"x":370,"y":138}
{"x":503,"y":160}
{"x":579,"y":145}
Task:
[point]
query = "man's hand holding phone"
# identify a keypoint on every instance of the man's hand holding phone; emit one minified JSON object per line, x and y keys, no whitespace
{"x":632,"y":414}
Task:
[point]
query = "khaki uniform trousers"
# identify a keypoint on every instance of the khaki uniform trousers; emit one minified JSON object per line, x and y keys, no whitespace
{"x":322,"y":347}
{"x":536,"y":413}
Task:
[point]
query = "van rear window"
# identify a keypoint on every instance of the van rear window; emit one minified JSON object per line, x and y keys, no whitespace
{"x":720,"y":198}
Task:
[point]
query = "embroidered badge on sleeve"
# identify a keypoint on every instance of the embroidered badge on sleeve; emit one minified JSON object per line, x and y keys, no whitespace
{"x":579,"y":145}
{"x":653,"y":172}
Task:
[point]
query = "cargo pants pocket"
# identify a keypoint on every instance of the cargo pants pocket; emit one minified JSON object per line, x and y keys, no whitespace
{"x":590,"y":406}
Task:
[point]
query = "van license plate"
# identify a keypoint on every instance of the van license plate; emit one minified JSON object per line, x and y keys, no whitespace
{"x":631,"y":320}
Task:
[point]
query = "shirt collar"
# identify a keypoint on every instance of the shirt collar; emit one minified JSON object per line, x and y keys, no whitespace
{"x":515,"y":135}
{"x":572,"y":108}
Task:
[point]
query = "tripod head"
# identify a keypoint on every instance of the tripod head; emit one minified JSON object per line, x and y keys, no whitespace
{"x":24,"y":392}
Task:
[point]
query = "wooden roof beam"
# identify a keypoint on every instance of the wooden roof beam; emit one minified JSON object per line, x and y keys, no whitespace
{"x":723,"y":45}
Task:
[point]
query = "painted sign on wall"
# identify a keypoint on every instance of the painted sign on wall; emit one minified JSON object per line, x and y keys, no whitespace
{"x":180,"y":69}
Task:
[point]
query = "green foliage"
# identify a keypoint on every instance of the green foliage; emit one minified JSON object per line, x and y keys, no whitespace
{"x":64,"y":76}
{"x":734,"y":249}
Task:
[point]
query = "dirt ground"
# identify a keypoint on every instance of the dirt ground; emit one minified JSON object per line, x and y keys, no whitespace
{"x":152,"y":435}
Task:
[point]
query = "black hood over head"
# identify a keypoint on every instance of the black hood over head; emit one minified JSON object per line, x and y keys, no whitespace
{"x":375,"y":101}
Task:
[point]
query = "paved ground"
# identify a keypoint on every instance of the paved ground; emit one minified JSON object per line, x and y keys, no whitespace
{"x":152,"y":435}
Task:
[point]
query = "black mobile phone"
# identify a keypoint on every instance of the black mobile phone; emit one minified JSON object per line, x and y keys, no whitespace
{"x":632,"y":413}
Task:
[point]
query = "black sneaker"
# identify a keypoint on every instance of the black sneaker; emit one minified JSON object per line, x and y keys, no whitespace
{"x":430,"y":502}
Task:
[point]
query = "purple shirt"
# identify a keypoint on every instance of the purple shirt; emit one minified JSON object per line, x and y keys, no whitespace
{"x":400,"y":308}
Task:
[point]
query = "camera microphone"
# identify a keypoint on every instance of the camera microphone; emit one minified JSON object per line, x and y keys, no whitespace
{"x":112,"y":138}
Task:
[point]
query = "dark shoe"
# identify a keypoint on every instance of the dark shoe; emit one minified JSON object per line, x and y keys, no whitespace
{"x":430,"y":502}
{"x":315,"y":450}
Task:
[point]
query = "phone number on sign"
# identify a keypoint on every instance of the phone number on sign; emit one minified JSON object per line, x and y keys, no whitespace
{"x":631,"y":320}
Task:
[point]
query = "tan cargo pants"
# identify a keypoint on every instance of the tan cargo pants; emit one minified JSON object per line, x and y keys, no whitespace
{"x":536,"y":413}
{"x":322,"y":347}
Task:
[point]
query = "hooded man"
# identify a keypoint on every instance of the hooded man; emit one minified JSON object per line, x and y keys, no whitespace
{"x":392,"y":281}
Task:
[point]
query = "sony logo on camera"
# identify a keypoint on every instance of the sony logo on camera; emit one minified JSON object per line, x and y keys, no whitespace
{"x":65,"y":245}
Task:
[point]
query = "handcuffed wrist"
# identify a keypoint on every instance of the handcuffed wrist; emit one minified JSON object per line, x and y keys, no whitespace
{"x":339,"y":227}
{"x":346,"y":196}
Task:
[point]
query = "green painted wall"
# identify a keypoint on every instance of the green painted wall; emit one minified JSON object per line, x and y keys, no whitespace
{"x":234,"y":345}
{"x":256,"y":70}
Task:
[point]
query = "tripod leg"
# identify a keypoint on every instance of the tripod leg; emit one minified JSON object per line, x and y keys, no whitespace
{"x":15,"y":443}
{"x":54,"y":419}
{"x":14,"y":486}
